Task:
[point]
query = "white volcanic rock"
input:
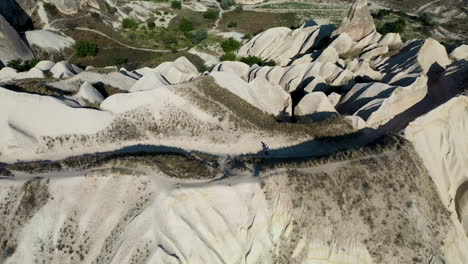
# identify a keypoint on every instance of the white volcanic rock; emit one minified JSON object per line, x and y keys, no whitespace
{"x":115,"y":79}
{"x":363,"y":69}
{"x":391,"y":40}
{"x":33,"y":73}
{"x":329,"y":55}
{"x":11,"y":45}
{"x":439,"y":138}
{"x":7,"y":74}
{"x":342,"y":43}
{"x":377,"y":103}
{"x":90,"y":94}
{"x":282,"y":44}
{"x":151,"y":80}
{"x":356,"y":122}
{"x":42,"y":116}
{"x":64,"y":69}
{"x":416,"y":58}
{"x":334,"y":98}
{"x":315,"y":106}
{"x":47,"y":40}
{"x":239,"y":68}
{"x":45,"y":65}
{"x":318,"y":84}
{"x":260,"y":93}
{"x":178,"y":71}
{"x":358,"y":23}
{"x":460,"y":53}
{"x":373,"y":53}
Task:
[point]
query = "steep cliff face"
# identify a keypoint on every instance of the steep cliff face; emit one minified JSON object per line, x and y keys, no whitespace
{"x":17,"y":13}
{"x":440,"y":139}
{"x":11,"y":45}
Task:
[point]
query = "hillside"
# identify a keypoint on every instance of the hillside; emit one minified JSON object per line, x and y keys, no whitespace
{"x":307,"y":143}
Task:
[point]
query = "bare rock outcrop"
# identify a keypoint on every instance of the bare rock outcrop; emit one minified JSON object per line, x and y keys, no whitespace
{"x":358,"y":23}
{"x":11,"y":45}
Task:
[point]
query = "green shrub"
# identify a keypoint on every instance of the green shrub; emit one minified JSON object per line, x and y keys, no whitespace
{"x":230,"y":45}
{"x":185,"y":25}
{"x":21,"y":65}
{"x":119,"y":60}
{"x":393,"y":27}
{"x":168,"y":37}
{"x":129,"y":23}
{"x":150,"y":24}
{"x":239,"y":8}
{"x":247,"y":36}
{"x":95,"y":15}
{"x":229,"y":57}
{"x":85,"y":48}
{"x":211,"y":14}
{"x":427,"y":19}
{"x":251,"y":60}
{"x":232,"y":24}
{"x":198,"y":36}
{"x":226,"y":4}
{"x":176,"y":5}
{"x":382,"y":13}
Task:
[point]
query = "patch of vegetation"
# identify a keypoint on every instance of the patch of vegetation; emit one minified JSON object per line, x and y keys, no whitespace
{"x":232,"y":24}
{"x":397,"y":26}
{"x":35,"y":86}
{"x":186,"y":25}
{"x":228,"y":57}
{"x":176,"y":5}
{"x":129,"y":23}
{"x":230,"y":45}
{"x":21,"y":65}
{"x":85,"y":48}
{"x":262,"y":21}
{"x":150,"y":24}
{"x":198,"y":36}
{"x":211,"y":14}
{"x":251,"y":60}
{"x":226,"y":4}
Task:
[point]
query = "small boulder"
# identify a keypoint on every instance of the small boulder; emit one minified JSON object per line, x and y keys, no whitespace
{"x":89,"y":94}
{"x":64,"y":69}
{"x":460,"y":53}
{"x":334,"y":98}
{"x":45,"y":65}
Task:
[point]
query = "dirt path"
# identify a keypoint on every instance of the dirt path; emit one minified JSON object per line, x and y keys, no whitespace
{"x":125,"y":45}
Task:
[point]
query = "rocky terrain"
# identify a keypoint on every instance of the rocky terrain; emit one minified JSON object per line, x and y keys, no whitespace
{"x":164,"y":164}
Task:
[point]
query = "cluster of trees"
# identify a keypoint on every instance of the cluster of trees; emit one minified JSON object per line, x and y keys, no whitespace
{"x":176,"y":5}
{"x":21,"y":65}
{"x":251,"y":60}
{"x":85,"y":48}
{"x":211,"y":14}
{"x":129,"y":23}
{"x":393,"y":27}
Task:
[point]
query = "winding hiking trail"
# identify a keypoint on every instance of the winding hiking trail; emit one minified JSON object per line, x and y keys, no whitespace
{"x":125,"y":45}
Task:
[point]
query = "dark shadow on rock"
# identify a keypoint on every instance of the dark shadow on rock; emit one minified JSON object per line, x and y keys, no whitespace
{"x":15,"y":15}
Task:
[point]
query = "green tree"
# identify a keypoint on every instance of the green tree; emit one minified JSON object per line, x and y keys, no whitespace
{"x":21,"y":65}
{"x":119,"y":61}
{"x":129,"y":23}
{"x":85,"y":48}
{"x":226,"y":4}
{"x":239,"y":8}
{"x":247,"y":36}
{"x":150,"y":24}
{"x":230,"y":45}
{"x":211,"y":14}
{"x":176,"y":5}
{"x":185,"y":25}
{"x":232,"y":24}
{"x":228,"y":57}
{"x":198,"y":36}
{"x":393,"y":27}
